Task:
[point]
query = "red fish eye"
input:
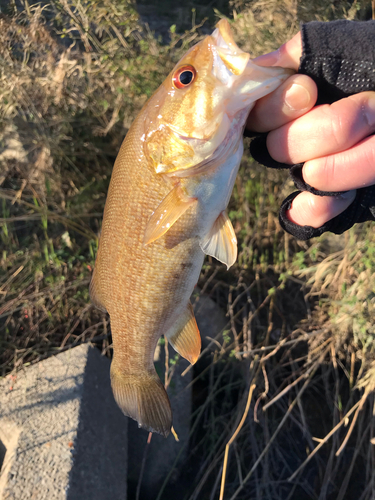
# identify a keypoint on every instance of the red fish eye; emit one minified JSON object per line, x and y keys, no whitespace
{"x":184,"y":76}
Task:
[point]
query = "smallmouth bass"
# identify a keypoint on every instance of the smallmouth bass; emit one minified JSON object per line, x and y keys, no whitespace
{"x":166,"y":209}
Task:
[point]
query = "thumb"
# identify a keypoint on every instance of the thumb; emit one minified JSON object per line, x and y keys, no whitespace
{"x":287,"y":56}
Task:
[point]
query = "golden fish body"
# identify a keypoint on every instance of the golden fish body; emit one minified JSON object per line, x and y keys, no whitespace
{"x":165,"y":210}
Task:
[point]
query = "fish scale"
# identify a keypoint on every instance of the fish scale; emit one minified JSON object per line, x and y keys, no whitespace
{"x":165,"y":209}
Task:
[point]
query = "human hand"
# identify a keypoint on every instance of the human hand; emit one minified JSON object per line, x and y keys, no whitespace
{"x":333,"y":140}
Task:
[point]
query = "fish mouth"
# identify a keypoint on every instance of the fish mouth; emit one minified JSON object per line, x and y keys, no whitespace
{"x":232,"y":57}
{"x":237,"y":72}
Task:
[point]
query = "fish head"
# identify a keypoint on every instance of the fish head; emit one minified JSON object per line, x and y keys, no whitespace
{"x":200,"y":110}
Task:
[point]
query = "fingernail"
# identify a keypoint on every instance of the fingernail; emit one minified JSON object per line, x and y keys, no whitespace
{"x":297,"y":97}
{"x":269,"y":59}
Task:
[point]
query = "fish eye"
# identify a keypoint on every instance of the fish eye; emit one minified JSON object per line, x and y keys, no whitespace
{"x":184,"y":76}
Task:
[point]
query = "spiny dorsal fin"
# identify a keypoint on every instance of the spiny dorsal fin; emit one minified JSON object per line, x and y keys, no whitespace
{"x":170,"y":209}
{"x":221,"y":241}
{"x":184,"y":336}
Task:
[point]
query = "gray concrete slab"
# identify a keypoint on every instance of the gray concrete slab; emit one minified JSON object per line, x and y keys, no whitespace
{"x":64,"y":435}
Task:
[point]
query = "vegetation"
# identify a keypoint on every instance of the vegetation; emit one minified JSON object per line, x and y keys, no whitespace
{"x":298,"y":346}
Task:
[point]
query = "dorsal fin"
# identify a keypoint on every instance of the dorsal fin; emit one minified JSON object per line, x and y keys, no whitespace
{"x":221,"y":241}
{"x":170,"y":209}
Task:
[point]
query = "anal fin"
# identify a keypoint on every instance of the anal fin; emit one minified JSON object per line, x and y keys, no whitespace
{"x":170,"y":209}
{"x":221,"y":241}
{"x":184,"y":336}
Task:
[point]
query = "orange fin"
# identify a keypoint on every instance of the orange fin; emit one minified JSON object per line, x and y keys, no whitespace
{"x":221,"y":241}
{"x":170,"y":209}
{"x":94,"y":295}
{"x":143,"y":398}
{"x":184,"y":336}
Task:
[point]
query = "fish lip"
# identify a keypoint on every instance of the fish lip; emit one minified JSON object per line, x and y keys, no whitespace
{"x":232,"y":57}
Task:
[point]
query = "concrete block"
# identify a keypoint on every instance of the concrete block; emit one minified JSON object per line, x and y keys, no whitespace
{"x":62,"y":433}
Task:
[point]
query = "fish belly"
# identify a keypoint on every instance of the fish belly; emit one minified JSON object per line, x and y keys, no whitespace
{"x":213,"y":190}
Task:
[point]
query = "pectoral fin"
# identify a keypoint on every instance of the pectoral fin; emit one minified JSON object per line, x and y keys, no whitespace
{"x":221,"y":241}
{"x":170,"y":209}
{"x":184,"y":336}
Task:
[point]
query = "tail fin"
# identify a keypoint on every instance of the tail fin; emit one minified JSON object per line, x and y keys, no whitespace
{"x":144,"y":399}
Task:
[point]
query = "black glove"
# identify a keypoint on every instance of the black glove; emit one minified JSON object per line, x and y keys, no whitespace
{"x":340,"y":57}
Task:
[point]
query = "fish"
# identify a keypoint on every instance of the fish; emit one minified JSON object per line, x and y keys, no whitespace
{"x":166,"y":209}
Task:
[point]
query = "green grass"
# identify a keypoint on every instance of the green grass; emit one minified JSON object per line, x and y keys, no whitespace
{"x":300,"y":315}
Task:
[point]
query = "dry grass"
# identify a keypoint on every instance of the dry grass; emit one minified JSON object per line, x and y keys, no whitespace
{"x":300,"y":315}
